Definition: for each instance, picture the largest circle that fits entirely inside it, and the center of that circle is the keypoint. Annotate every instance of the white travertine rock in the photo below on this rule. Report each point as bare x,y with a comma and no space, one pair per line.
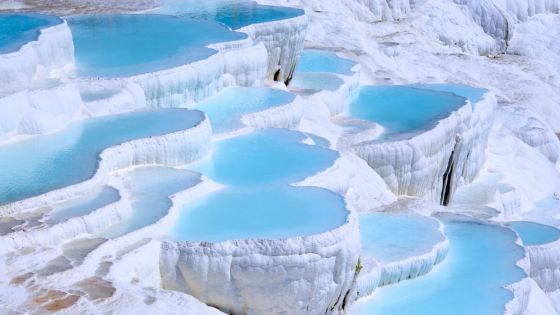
50,56
416,166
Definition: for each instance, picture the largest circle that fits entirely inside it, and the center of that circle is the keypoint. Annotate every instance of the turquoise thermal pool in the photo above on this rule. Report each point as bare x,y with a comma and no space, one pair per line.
402,110
234,14
226,109
131,44
150,189
264,157
17,30
312,60
481,261
393,237
260,213
534,233
47,162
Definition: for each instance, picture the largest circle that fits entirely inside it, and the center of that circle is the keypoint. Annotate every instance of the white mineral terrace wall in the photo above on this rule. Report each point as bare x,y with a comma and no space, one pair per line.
284,41
416,166
545,265
51,55
299,275
375,274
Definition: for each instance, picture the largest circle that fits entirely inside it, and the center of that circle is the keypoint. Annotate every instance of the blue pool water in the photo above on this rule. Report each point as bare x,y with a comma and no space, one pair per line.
150,189
262,213
534,233
481,260
315,81
264,157
226,109
396,236
402,109
131,44
312,60
43,163
83,205
235,14
474,94
17,30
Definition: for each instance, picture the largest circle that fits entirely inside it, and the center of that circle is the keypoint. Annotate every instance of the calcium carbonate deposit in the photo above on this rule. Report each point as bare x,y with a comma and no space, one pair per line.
284,157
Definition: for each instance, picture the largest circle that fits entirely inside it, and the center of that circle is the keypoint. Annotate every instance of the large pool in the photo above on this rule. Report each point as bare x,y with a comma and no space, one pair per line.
226,109
402,109
150,189
534,233
265,157
47,162
261,213
130,44
17,30
235,14
471,280
391,237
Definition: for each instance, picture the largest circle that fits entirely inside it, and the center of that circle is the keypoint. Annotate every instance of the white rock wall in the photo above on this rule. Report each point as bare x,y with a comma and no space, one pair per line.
415,166
51,55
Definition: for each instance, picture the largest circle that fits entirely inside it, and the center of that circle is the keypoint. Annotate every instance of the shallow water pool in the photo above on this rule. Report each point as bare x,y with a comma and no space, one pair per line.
313,60
47,162
261,213
534,233
91,201
471,280
234,14
121,45
264,158
226,109
402,109
392,237
17,30
474,94
150,188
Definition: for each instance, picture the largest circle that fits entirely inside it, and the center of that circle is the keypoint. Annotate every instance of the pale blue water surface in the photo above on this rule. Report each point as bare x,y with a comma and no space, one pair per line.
534,233
313,60
233,13
396,236
226,109
47,162
471,280
19,29
121,45
264,157
402,109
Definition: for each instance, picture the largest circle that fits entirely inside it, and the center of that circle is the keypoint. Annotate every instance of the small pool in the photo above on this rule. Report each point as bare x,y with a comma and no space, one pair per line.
150,188
123,45
474,94
534,233
313,60
471,280
17,30
402,109
47,162
315,81
261,213
265,157
91,201
226,109
390,237
235,14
